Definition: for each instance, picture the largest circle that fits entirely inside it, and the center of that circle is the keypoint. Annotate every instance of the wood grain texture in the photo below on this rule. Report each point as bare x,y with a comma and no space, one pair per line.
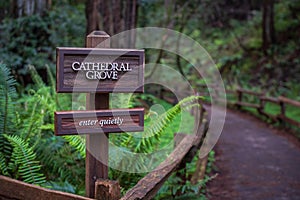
69,80
96,160
249,92
87,122
247,104
107,189
289,101
147,187
17,190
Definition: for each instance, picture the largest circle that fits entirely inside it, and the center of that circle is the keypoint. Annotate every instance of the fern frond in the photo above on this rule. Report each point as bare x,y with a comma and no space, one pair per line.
60,186
51,80
78,142
40,108
7,94
3,165
157,127
23,159
35,76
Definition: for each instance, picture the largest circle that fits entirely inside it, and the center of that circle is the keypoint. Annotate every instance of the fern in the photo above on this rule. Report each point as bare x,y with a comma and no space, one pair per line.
7,111
36,77
51,80
158,126
61,186
3,165
7,95
23,159
40,105
78,142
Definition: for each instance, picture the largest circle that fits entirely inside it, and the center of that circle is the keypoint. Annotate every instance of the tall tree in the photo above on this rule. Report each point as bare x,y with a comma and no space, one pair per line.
268,33
112,17
21,8
92,15
118,16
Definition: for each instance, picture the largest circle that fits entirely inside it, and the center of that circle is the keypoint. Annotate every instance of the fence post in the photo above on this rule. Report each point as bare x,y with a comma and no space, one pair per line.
107,190
282,108
282,111
240,98
261,105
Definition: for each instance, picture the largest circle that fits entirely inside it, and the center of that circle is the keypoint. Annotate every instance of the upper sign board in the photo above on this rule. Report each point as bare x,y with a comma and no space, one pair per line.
99,70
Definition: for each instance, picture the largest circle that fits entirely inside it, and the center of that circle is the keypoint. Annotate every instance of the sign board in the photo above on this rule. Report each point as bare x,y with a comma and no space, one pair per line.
99,121
99,70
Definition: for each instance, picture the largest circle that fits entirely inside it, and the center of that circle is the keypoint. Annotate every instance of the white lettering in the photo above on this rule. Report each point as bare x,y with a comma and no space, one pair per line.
101,71
88,122
127,67
111,121
73,66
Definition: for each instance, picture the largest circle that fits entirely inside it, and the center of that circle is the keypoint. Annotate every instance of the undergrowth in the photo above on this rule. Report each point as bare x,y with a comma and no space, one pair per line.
179,186
30,152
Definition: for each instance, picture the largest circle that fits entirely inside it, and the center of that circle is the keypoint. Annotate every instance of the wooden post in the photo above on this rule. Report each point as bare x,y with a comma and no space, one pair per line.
282,108
107,190
71,63
240,98
262,104
96,161
282,112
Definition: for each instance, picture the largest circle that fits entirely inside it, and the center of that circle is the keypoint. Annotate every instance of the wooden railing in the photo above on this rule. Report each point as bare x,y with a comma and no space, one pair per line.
259,104
13,189
186,146
147,187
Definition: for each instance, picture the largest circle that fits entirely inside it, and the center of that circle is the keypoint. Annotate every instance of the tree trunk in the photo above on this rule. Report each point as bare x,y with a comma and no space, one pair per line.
268,25
4,10
92,15
117,16
21,8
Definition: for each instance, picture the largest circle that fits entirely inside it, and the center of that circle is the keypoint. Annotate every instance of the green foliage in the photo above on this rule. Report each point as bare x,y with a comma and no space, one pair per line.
177,188
60,186
29,148
3,166
7,97
78,142
32,40
23,162
157,127
61,159
17,159
233,41
8,94
159,132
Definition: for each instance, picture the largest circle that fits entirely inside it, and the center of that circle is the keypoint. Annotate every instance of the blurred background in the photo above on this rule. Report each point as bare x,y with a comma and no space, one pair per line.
254,44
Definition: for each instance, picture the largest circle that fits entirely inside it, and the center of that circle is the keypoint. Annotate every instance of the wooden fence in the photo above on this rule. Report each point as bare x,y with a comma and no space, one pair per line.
259,104
186,146
147,187
13,189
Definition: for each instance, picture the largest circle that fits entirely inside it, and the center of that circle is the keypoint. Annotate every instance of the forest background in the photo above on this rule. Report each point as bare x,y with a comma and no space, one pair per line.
255,45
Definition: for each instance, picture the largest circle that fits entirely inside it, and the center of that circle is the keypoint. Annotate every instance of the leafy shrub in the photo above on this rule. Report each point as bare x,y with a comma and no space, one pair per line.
32,40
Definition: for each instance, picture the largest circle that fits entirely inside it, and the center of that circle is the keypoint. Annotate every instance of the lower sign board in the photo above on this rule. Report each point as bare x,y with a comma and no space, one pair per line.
99,121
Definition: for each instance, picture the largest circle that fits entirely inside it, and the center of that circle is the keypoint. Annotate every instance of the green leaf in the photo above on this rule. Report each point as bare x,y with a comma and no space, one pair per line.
23,160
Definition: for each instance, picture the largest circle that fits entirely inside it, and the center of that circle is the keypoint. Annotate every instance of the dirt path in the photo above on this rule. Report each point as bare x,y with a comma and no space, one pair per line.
255,161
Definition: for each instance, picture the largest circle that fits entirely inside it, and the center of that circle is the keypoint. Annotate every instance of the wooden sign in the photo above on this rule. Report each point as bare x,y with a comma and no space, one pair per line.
99,121
99,70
